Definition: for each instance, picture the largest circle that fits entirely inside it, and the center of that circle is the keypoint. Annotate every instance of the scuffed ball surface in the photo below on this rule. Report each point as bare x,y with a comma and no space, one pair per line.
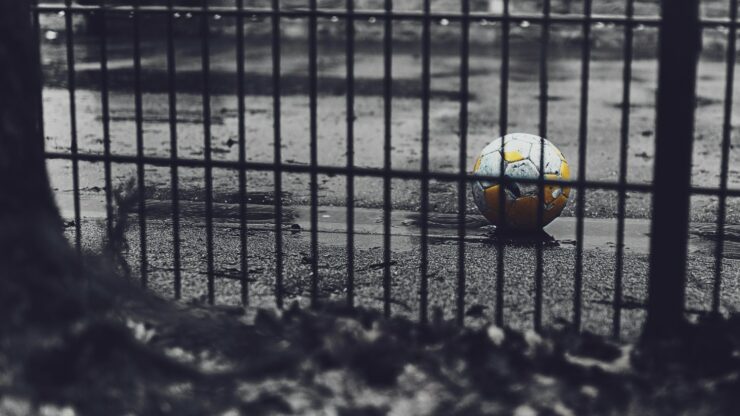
520,156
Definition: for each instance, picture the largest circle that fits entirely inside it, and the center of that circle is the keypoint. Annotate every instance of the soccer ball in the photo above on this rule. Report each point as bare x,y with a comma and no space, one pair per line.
521,159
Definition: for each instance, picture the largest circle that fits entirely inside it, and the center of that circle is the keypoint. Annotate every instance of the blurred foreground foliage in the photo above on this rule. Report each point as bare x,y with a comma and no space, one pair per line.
82,340
80,337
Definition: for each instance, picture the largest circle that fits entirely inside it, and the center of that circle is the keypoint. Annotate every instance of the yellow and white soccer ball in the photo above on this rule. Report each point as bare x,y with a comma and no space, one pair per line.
521,159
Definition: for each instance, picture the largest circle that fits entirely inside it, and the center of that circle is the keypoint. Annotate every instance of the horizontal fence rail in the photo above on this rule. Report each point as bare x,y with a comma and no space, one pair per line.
371,172
396,15
279,167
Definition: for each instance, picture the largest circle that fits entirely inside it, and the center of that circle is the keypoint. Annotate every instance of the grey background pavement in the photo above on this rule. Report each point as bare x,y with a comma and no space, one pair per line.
564,75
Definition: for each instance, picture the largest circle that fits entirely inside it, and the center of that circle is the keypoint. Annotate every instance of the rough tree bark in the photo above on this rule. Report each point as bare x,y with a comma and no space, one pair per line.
24,187
39,272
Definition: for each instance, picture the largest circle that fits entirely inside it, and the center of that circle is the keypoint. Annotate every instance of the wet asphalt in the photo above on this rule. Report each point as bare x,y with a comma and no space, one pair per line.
564,70
480,265
480,255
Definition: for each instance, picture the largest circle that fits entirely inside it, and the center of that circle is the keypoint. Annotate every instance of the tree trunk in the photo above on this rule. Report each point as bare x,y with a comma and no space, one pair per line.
24,186
40,280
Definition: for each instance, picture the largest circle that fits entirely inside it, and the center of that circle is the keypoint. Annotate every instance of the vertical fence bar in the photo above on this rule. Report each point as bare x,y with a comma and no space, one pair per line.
425,81
623,148
463,157
139,116
726,140
72,87
174,174
387,163
582,142
503,127
208,174
350,56
243,275
105,119
277,151
312,91
544,43
680,42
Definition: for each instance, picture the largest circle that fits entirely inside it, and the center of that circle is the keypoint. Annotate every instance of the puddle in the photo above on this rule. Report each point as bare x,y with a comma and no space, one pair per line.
534,238
256,214
599,233
709,231
445,221
704,238
474,222
253,197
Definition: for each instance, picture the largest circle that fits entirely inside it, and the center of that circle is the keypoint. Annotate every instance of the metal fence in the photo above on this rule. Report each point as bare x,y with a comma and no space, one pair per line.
387,16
